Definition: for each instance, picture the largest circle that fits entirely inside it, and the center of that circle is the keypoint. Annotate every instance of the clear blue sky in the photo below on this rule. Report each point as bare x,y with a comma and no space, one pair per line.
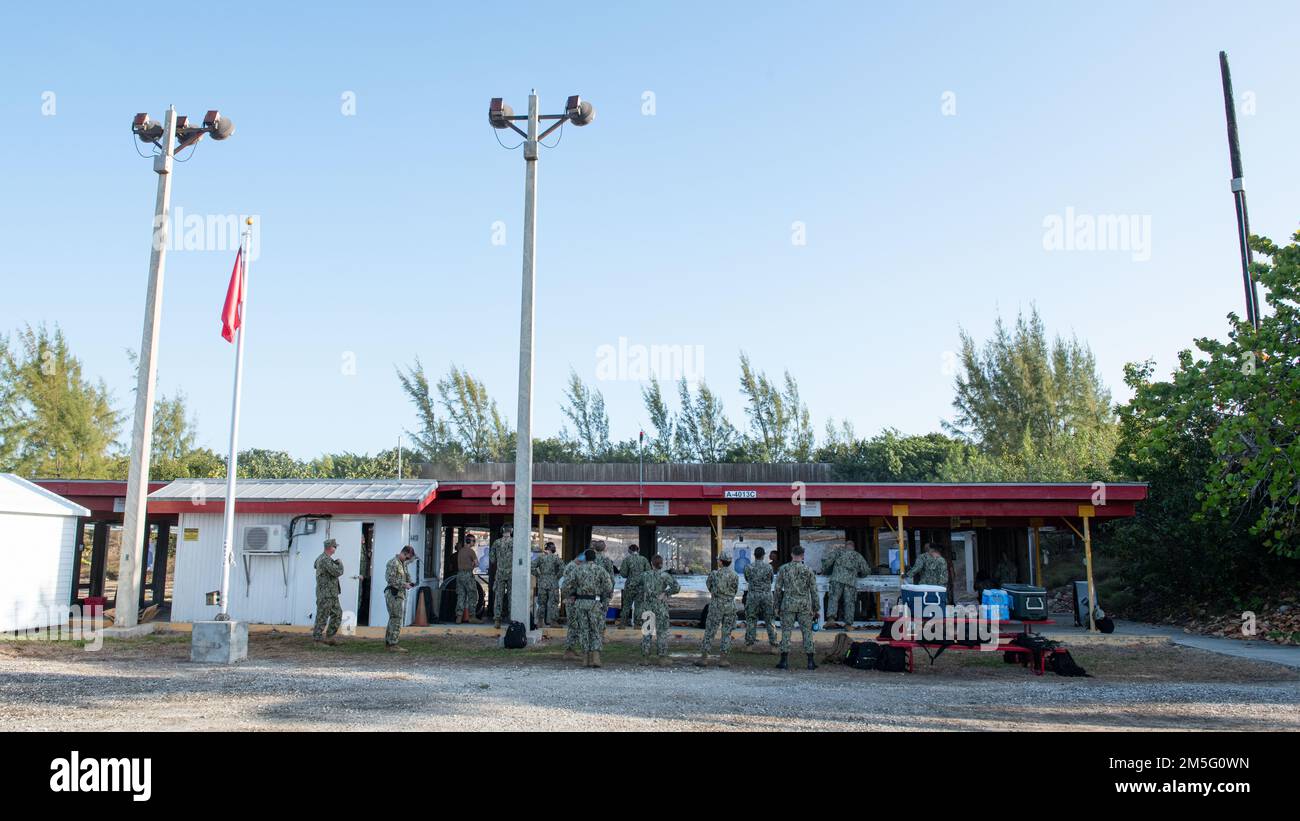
671,229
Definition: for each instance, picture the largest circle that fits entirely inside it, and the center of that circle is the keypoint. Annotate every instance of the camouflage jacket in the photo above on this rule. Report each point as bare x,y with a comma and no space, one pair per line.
503,551
328,570
633,566
930,570
590,579
395,575
849,567
658,585
606,564
759,578
828,559
548,569
796,588
723,583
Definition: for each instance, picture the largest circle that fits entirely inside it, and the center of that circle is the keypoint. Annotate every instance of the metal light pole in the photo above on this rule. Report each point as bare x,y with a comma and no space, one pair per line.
173,134
501,116
1239,193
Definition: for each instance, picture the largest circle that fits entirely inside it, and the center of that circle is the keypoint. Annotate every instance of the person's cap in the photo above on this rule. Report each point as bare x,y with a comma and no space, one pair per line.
724,557
331,543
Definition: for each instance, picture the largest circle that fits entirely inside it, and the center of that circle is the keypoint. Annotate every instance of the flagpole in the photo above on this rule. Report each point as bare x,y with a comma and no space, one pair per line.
232,460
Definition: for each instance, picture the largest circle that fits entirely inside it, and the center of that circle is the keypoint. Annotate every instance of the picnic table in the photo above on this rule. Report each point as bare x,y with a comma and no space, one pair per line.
934,647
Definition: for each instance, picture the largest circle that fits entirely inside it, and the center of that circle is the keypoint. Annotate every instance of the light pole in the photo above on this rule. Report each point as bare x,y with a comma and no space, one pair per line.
1239,193
170,136
501,116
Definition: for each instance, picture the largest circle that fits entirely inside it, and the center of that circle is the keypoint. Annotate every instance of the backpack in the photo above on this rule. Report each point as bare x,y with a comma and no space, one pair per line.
516,636
864,655
1064,665
840,650
892,659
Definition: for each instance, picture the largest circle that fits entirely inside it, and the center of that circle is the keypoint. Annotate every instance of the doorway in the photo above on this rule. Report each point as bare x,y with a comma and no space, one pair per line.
366,571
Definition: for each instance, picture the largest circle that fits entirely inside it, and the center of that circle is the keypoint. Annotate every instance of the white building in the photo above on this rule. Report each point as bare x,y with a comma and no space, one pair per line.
280,528
38,532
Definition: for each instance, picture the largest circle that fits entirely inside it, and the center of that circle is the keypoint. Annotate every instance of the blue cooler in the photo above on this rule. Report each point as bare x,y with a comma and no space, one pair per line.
996,604
920,597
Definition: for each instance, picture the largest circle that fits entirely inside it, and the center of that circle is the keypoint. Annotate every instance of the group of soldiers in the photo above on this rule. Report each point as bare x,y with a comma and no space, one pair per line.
789,594
329,613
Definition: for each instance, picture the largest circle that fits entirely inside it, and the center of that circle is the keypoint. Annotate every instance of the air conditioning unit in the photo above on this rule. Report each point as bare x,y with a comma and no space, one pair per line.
263,539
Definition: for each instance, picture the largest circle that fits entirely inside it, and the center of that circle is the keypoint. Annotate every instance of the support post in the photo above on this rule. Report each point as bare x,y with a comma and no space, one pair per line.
1092,591
134,525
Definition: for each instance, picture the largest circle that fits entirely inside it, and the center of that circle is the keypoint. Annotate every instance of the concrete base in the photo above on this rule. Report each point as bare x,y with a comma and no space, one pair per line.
129,632
219,642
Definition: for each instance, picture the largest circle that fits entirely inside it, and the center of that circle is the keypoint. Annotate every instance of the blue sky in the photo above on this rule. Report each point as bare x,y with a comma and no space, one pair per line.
671,228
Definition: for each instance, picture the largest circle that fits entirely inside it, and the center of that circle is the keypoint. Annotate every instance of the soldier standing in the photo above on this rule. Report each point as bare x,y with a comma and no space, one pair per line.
592,587
503,551
722,584
466,587
547,570
758,600
398,581
570,608
633,568
607,564
931,568
796,601
656,586
328,611
849,567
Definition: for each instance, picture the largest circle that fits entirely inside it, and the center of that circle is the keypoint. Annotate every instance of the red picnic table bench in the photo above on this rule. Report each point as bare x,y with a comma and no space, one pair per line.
1027,657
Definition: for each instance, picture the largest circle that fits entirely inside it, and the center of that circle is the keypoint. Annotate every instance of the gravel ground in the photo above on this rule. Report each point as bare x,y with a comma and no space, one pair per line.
292,685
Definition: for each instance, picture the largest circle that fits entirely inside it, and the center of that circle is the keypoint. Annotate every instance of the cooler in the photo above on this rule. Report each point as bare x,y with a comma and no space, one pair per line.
917,597
1028,603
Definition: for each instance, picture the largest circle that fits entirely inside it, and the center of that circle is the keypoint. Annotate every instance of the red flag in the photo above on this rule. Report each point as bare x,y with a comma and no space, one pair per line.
232,314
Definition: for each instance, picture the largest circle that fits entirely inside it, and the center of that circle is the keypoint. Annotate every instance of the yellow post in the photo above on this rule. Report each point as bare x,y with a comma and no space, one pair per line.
719,511
900,511
1085,511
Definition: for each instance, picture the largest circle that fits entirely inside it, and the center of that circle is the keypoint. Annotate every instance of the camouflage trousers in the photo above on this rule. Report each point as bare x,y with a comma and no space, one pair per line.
590,623
548,604
842,594
722,616
631,606
570,625
466,593
759,606
805,619
396,610
502,600
328,616
655,629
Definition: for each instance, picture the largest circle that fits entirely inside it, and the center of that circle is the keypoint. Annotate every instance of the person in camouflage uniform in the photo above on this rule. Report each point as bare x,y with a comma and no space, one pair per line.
570,617
722,584
397,582
607,564
929,569
828,558
328,611
849,567
466,587
592,588
656,586
633,567
796,601
503,553
547,570
758,600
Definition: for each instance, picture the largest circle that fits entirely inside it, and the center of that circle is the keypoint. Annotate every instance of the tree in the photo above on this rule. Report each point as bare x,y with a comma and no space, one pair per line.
889,456
53,421
703,433
662,445
780,426
474,429
433,438
585,409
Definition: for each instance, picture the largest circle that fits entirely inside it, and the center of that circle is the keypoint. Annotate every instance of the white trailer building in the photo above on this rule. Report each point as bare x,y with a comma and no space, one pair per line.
280,528
38,533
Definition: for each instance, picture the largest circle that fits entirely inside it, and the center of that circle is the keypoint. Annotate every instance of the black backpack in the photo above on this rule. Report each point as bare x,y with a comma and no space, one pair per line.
864,655
892,659
1064,665
516,636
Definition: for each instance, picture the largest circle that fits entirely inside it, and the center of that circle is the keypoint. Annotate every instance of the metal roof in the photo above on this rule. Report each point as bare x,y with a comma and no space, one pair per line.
303,490
17,495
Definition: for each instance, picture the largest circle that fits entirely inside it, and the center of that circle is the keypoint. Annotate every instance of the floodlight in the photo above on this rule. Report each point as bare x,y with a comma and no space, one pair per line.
147,130
219,127
579,111
499,113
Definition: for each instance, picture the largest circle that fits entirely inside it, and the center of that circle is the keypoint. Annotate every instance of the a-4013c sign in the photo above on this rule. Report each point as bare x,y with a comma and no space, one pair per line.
740,494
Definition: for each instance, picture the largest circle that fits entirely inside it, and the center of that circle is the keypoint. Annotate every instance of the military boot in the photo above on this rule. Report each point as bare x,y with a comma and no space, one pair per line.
663,661
586,660
812,665
703,660
496,623
595,659
784,663
722,662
